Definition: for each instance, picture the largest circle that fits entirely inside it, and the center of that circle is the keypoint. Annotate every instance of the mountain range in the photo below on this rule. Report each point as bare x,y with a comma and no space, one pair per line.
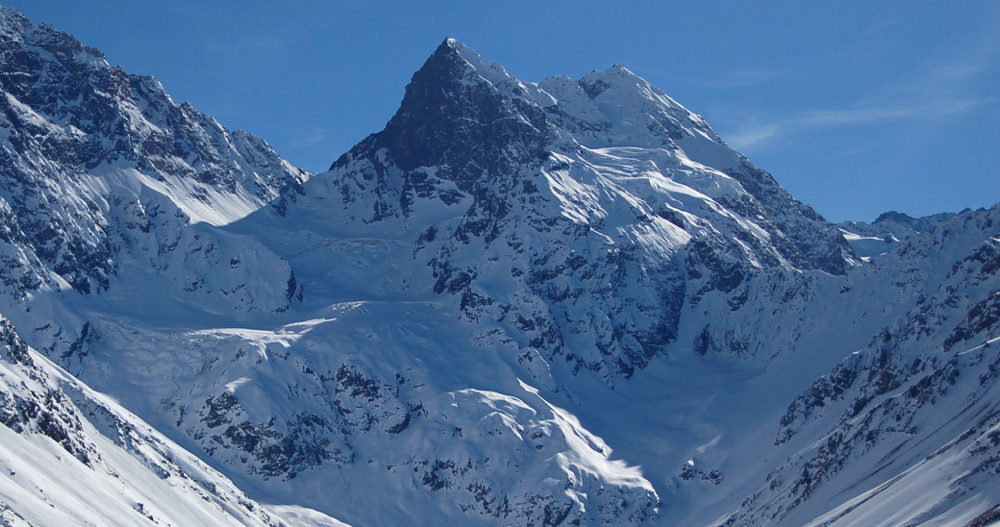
557,303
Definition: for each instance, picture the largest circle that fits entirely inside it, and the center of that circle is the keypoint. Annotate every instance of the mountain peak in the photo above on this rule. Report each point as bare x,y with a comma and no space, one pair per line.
620,69
622,80
453,45
454,105
9,15
467,64
451,61
620,106
19,35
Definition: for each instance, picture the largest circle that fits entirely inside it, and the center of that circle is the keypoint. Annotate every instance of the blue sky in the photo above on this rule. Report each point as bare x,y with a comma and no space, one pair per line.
855,107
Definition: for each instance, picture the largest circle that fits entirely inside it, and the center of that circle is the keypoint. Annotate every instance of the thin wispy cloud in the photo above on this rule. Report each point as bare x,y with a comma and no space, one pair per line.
944,88
760,133
754,135
308,137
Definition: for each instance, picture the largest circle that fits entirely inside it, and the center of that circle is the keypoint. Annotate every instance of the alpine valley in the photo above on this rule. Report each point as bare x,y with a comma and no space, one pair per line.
556,303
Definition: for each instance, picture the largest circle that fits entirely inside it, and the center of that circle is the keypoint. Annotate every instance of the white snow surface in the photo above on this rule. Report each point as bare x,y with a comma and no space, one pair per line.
109,467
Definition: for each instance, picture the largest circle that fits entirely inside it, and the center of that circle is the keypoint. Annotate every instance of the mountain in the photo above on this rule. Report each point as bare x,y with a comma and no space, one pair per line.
74,456
106,182
912,416
889,229
556,303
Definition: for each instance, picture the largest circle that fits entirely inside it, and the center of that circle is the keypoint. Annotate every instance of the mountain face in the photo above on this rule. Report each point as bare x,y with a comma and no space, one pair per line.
888,230
73,456
554,303
104,179
583,242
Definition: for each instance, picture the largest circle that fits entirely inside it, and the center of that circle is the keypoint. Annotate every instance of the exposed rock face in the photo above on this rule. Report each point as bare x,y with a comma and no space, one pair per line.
926,377
98,167
74,445
597,228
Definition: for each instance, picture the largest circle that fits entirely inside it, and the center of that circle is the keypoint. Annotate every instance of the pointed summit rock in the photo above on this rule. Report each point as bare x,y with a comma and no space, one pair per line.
457,115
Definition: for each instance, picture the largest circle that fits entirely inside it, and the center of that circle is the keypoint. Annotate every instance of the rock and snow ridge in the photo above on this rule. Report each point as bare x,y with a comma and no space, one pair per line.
106,178
555,303
71,456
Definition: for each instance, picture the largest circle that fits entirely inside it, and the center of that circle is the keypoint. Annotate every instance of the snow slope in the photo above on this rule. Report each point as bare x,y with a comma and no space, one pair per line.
71,456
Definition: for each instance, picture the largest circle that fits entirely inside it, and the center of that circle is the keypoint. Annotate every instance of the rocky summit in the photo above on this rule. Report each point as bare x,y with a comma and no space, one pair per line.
564,302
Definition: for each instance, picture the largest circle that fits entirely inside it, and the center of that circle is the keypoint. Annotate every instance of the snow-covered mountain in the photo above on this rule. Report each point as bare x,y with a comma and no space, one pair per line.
107,183
556,303
889,229
71,456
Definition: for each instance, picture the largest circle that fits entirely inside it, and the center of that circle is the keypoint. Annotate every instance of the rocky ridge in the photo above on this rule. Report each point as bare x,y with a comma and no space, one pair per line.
102,168
65,445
